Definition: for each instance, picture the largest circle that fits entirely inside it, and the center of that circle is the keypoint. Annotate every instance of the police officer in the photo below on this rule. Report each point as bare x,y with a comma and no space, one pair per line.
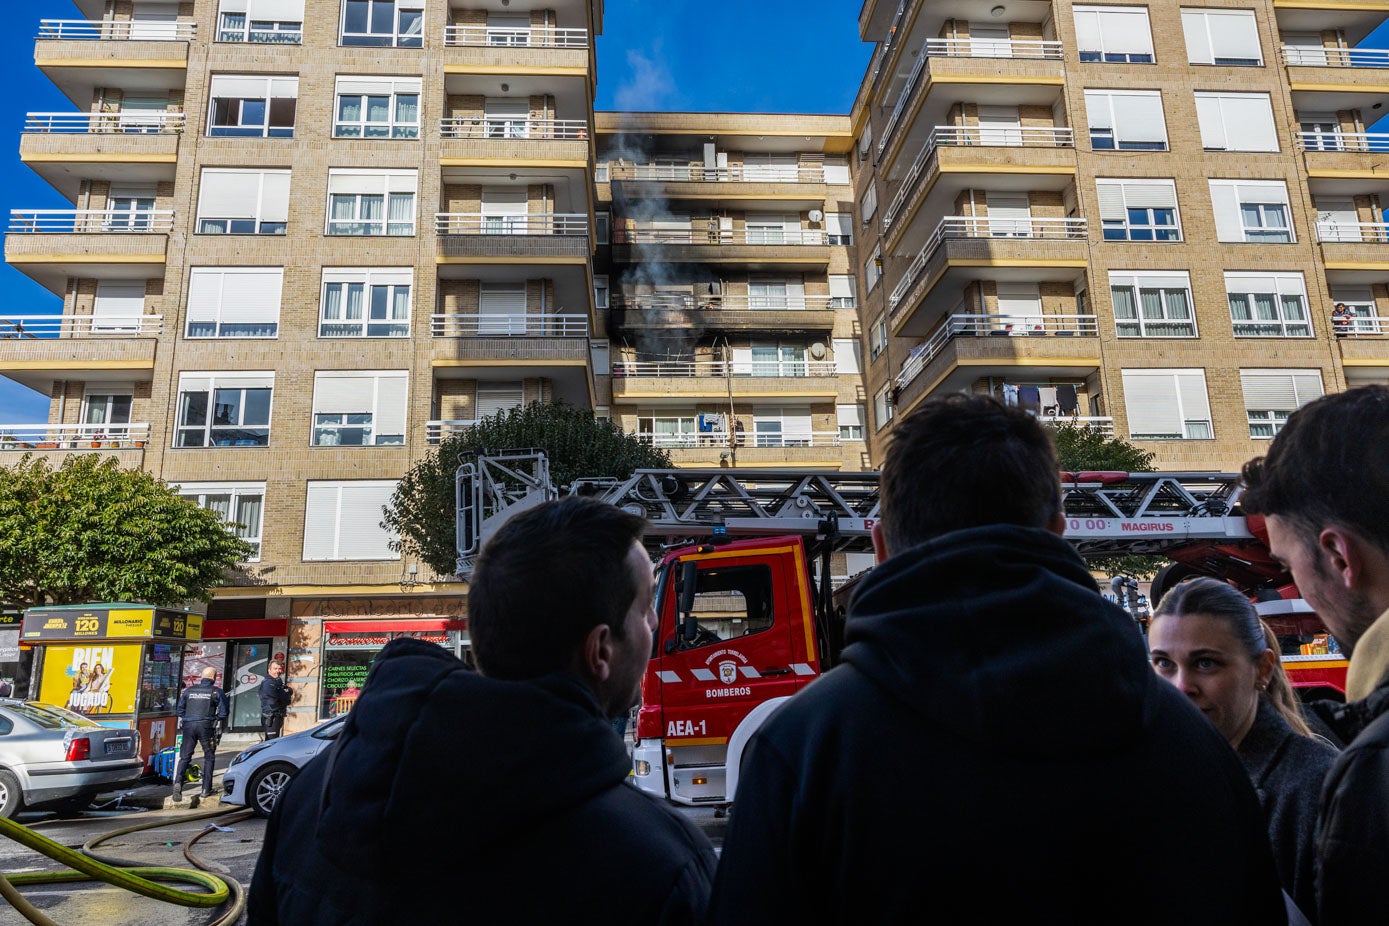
274,700
202,709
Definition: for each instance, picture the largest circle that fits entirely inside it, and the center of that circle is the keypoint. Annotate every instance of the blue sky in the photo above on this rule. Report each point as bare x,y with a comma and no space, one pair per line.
799,56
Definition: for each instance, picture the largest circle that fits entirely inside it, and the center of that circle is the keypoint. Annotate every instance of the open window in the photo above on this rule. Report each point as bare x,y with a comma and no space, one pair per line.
729,602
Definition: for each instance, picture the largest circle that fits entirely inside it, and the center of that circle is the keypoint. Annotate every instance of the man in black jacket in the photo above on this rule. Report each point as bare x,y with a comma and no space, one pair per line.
994,747
274,700
498,798
201,711
1324,487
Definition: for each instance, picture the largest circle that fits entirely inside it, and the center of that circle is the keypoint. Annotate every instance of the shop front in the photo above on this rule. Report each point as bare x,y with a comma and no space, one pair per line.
13,682
350,646
240,651
120,664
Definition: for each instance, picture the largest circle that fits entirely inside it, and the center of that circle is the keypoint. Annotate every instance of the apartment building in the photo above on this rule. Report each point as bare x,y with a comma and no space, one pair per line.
307,239
1136,217
728,280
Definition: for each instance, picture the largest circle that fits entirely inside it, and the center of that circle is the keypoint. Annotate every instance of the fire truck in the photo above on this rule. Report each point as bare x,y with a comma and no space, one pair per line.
748,608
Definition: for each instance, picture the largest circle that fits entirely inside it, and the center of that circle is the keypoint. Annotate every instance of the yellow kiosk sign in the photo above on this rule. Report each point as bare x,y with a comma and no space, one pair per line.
98,622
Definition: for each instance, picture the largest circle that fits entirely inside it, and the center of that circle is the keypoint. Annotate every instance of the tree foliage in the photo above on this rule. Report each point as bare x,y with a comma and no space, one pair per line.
1083,449
422,510
90,531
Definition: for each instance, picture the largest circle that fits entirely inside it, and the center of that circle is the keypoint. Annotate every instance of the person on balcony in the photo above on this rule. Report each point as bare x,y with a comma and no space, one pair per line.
1341,319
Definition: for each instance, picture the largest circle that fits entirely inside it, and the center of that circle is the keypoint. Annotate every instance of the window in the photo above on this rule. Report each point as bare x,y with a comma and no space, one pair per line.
238,504
877,337
1270,396
501,308
383,22
377,107
868,204
234,302
781,427
1138,210
839,228
770,360
105,413
1361,301
359,409
848,356
1167,405
509,29
850,421
118,306
130,207
1228,37
1236,122
506,117
843,292
873,268
773,228
882,407
371,202
837,173
365,303
505,211
1268,305
274,22
494,398
600,291
729,602
1251,210
243,202
1113,33
342,521
224,409
601,222
668,427
1126,120
252,107
1152,304
776,293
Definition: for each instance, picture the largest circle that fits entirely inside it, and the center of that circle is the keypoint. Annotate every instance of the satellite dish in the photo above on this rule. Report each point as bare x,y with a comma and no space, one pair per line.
817,350
816,215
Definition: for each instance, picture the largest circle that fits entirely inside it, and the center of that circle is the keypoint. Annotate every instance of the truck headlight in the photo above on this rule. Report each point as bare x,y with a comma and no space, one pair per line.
642,767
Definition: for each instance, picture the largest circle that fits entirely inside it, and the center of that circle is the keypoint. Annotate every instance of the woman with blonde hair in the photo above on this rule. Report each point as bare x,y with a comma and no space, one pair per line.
1206,639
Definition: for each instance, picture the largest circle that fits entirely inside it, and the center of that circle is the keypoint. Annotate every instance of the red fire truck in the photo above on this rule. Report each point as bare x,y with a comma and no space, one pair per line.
746,599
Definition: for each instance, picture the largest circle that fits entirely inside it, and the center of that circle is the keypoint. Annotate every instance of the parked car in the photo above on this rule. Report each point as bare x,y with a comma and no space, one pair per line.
258,775
53,757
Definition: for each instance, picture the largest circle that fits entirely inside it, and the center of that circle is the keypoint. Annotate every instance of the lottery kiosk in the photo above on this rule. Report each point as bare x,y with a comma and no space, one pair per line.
119,664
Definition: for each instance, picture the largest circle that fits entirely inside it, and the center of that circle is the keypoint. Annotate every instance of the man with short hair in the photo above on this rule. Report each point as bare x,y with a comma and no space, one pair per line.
994,747
1324,488
451,796
275,696
201,711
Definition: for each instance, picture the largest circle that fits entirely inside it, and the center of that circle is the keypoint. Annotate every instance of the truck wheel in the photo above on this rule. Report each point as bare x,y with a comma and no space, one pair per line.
11,798
266,786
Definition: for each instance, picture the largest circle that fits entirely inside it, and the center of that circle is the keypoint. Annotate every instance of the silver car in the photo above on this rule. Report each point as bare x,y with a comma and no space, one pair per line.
259,774
53,757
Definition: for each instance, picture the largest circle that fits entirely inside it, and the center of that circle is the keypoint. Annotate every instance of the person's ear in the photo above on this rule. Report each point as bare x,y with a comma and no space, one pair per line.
1342,553
596,653
1057,525
1266,664
880,542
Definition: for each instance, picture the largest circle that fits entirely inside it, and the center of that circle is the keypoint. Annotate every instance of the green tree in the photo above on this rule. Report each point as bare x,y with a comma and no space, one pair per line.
1082,449
422,510
91,531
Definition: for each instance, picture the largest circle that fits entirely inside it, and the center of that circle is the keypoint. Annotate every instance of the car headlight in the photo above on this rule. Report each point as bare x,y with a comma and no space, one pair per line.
245,754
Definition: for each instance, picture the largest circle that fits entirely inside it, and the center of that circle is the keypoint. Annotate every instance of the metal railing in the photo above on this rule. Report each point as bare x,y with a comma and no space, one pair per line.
961,325
119,30
87,221
1353,232
683,302
1361,326
736,173
965,226
968,136
72,436
743,440
77,326
249,34
1377,142
689,369
435,431
772,236
500,37
133,122
1327,57
534,223
513,129
520,325
1100,423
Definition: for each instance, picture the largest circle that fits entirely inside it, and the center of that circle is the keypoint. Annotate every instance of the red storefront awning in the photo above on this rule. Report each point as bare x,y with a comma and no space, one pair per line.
393,626
255,627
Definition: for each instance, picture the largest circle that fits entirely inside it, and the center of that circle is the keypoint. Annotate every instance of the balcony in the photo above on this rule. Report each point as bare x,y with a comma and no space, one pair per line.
659,381
538,237
35,350
754,185
466,139
497,50
754,247
968,149
436,431
80,55
52,245
1345,245
1026,249
509,326
1325,79
1362,348
967,347
711,448
128,439
790,314
134,146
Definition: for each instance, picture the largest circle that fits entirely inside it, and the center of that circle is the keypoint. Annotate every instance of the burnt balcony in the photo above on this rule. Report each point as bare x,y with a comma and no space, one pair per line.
764,246
543,236
662,380
733,313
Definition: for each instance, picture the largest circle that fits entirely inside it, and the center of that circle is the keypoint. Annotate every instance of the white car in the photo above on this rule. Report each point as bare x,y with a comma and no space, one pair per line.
259,774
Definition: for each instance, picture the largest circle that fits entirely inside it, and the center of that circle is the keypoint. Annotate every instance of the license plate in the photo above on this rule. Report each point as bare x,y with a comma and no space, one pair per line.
111,746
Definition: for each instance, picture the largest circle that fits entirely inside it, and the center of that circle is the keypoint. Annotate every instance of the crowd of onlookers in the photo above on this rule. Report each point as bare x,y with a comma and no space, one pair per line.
997,744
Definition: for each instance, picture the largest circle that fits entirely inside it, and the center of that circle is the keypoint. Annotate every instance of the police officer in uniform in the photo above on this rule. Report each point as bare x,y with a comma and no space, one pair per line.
202,709
274,700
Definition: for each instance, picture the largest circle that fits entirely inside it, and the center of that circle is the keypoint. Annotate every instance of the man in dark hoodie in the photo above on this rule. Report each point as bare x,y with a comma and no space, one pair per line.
994,747
498,798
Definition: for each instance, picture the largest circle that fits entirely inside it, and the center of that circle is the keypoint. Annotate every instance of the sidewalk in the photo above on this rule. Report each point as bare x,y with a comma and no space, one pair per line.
151,792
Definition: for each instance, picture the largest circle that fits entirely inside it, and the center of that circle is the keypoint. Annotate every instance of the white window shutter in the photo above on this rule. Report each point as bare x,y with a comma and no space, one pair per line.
120,297
233,6
343,393
224,194
1279,390
1111,196
1225,202
846,356
392,402
1125,31
231,86
1198,40
1234,34
502,299
1269,192
497,397
837,174
321,521
849,414
841,286
1088,29
1191,386
1150,398
1139,117
289,11
1211,121
504,201
1099,113
360,534
274,197
1016,299
249,295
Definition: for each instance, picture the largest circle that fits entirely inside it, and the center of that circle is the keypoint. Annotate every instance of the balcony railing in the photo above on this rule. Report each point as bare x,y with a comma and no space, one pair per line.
134,122
109,30
772,236
691,369
1361,326
981,137
737,173
498,37
88,221
513,129
1377,142
1101,423
72,436
80,326
509,326
435,431
1311,56
1002,326
1353,232
683,302
965,226
534,223
741,439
